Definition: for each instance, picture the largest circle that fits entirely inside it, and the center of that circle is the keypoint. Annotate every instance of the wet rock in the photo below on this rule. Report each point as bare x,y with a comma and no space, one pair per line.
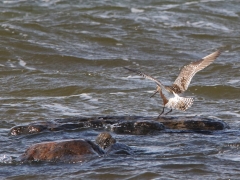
94,124
193,123
109,144
38,127
105,140
67,126
74,150
32,128
64,150
137,125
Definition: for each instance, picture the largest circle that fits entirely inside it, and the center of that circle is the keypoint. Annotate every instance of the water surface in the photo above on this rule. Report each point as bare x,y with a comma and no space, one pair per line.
64,58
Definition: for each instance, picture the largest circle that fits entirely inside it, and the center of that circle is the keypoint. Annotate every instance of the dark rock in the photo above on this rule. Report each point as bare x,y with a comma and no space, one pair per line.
137,127
105,140
64,150
109,144
74,150
29,129
193,123
124,124
94,124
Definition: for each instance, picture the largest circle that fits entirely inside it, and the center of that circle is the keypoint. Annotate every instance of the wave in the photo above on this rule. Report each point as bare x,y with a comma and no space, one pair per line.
216,92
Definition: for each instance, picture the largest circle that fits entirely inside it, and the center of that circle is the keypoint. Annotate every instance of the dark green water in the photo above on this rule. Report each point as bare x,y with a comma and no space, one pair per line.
64,58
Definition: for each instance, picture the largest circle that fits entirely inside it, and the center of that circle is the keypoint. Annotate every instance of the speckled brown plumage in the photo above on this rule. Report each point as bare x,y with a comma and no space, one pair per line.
169,94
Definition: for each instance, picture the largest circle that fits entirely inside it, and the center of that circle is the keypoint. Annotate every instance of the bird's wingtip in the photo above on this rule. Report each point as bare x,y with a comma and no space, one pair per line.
220,49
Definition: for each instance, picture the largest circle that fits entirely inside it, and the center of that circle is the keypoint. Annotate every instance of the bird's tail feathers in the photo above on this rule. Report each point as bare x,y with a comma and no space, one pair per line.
184,103
180,103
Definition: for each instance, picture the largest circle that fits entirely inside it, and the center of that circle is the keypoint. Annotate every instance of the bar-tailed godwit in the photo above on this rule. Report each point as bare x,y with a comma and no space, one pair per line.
169,94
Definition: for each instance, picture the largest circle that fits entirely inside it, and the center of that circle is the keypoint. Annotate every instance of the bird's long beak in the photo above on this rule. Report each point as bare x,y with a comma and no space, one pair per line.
154,93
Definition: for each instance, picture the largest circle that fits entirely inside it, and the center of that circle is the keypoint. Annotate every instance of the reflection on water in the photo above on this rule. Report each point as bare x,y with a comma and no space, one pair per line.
64,58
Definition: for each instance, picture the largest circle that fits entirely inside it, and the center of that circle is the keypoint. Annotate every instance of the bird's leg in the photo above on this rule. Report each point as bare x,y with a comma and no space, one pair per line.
161,112
154,93
168,112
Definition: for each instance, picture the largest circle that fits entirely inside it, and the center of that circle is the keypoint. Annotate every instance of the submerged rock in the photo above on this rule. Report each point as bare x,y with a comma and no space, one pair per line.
28,129
109,144
73,150
104,140
137,125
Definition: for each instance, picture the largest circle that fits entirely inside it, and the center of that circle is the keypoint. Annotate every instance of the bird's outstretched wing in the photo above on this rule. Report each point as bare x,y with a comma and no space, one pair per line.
184,78
160,87
145,76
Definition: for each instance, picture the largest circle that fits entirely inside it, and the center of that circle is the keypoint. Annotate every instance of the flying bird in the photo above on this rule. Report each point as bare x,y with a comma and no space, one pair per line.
170,94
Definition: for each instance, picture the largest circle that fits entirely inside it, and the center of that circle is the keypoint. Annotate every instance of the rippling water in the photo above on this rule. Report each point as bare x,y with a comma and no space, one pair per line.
64,58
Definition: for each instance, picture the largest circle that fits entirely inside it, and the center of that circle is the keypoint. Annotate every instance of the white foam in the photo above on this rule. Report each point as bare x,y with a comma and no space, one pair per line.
5,159
232,157
135,10
23,35
155,149
236,114
23,64
63,109
134,77
85,96
188,3
13,1
165,7
150,92
202,24
234,81
125,59
202,1
11,64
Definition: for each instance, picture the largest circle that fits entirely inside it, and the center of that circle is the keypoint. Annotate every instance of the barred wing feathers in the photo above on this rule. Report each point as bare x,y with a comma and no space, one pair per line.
184,78
145,76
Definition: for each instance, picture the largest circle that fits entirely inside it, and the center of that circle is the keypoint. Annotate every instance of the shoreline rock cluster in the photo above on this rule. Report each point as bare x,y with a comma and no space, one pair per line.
136,125
75,150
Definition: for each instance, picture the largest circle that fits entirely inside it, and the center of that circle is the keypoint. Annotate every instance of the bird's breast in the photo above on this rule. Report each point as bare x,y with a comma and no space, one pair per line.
165,100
